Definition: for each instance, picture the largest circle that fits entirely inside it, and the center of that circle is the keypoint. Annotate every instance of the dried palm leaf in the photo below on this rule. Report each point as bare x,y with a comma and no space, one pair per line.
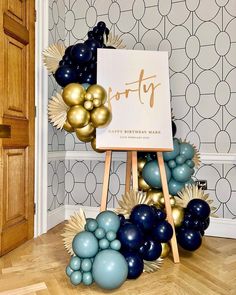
190,192
52,56
57,111
131,199
152,266
114,41
75,225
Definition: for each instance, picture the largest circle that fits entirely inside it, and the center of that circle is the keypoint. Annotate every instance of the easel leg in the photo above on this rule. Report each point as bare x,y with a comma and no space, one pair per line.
173,241
106,181
135,170
128,172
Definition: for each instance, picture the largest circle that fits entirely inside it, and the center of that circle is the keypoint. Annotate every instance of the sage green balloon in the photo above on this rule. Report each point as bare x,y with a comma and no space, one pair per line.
110,269
87,278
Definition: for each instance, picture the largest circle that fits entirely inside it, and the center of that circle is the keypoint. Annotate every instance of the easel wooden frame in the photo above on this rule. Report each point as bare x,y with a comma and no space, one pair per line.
131,166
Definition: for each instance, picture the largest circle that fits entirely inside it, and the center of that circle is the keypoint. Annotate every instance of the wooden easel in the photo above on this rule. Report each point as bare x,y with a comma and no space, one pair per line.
131,166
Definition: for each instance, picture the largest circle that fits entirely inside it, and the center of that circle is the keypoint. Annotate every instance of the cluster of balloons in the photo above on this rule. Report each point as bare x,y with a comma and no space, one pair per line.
87,110
142,235
97,257
179,166
79,63
196,220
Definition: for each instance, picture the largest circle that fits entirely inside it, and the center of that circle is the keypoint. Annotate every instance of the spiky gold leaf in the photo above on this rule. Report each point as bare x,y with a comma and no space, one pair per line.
75,225
152,266
52,56
114,41
57,111
192,191
131,199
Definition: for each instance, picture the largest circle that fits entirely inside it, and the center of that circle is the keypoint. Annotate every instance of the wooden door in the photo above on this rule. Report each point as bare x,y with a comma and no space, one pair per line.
17,20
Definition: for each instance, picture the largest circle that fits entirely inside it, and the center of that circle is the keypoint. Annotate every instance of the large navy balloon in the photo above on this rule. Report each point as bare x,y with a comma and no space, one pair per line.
159,214
65,75
199,209
143,216
162,232
189,239
151,174
135,264
80,53
130,236
150,250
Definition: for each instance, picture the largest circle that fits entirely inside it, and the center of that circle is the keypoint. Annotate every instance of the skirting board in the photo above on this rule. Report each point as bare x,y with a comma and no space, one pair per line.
219,227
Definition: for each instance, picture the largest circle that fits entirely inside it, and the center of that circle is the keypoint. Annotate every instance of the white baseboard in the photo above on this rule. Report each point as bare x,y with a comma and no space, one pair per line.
55,217
219,227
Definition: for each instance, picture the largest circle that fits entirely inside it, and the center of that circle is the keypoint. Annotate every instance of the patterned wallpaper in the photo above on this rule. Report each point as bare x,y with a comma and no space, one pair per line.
200,39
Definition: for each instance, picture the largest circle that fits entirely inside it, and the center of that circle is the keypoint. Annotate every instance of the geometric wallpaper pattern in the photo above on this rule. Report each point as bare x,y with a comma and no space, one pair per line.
201,41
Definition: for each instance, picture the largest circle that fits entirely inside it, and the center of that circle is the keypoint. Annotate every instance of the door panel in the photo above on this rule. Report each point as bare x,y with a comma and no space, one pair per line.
17,111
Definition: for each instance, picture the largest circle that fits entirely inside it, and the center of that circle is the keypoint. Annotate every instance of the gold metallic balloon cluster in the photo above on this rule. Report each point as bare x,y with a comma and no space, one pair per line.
87,111
155,197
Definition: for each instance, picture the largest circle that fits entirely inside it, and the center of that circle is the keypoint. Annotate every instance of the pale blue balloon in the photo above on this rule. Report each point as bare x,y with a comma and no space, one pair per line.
75,263
108,220
69,271
151,174
110,269
91,225
190,181
85,245
172,155
100,233
86,264
111,235
182,173
187,150
115,245
180,159
87,278
190,163
76,278
172,164
174,186
104,244
86,85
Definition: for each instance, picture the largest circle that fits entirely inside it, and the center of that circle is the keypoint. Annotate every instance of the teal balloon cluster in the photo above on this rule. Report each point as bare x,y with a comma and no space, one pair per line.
179,166
96,256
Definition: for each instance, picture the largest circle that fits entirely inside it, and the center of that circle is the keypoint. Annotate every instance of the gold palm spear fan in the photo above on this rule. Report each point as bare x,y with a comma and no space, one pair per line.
52,56
57,111
74,225
190,192
114,41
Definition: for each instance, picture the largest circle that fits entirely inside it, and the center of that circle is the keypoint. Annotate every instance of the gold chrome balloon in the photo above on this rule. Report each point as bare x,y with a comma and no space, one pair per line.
142,185
85,131
141,163
178,215
162,201
100,117
86,138
172,201
98,92
88,105
68,127
165,250
154,196
97,102
93,145
78,116
88,96
73,94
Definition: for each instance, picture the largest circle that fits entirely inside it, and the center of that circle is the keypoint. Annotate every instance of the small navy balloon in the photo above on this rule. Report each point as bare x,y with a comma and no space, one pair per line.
135,264
150,250
162,232
189,239
130,236
199,209
143,215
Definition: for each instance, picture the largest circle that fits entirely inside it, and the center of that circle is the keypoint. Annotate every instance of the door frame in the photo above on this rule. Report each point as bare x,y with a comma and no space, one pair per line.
41,119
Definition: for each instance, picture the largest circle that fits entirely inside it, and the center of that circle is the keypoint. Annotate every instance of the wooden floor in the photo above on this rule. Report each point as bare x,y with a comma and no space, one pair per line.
38,267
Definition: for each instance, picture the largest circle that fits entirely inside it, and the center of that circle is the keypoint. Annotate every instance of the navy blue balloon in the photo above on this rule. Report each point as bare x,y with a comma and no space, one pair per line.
189,239
198,225
159,214
135,264
199,209
65,75
206,223
81,53
68,50
162,232
188,223
93,45
150,250
88,77
122,218
174,129
130,236
143,216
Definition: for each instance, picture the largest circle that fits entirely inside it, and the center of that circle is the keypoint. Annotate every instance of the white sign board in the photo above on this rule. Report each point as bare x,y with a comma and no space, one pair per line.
137,85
